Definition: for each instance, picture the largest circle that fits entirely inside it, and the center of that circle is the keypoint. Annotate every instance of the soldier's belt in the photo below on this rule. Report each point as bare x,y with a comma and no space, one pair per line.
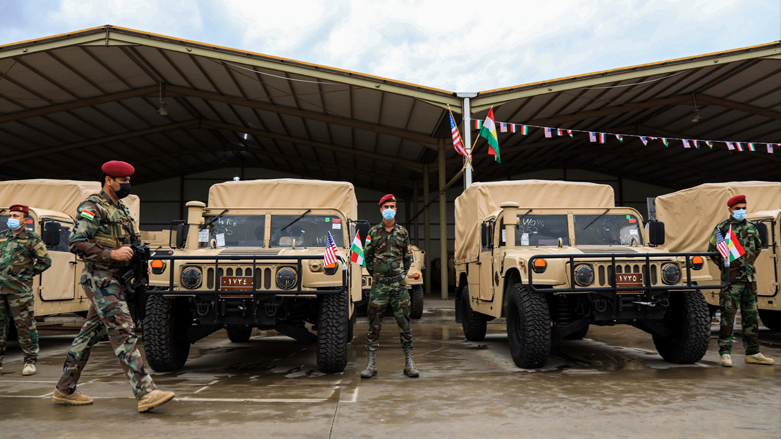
389,279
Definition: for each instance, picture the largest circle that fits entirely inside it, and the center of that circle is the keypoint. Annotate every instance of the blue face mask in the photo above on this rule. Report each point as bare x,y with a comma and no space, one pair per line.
13,224
739,215
389,214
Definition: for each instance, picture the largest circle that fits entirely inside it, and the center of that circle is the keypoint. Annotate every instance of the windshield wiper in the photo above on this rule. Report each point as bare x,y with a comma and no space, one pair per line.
296,220
211,221
518,226
595,219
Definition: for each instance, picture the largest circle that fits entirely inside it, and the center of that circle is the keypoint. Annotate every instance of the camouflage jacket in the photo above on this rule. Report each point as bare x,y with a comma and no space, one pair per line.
742,269
99,229
22,256
388,254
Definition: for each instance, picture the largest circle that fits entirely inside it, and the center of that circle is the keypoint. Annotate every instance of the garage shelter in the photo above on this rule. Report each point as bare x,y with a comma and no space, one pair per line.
189,115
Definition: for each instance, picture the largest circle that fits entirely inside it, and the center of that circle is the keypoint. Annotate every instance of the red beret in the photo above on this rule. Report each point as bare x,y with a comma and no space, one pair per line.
117,169
389,197
736,199
19,208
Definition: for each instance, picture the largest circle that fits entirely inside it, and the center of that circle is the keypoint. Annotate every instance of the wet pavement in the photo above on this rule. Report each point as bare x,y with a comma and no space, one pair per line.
612,383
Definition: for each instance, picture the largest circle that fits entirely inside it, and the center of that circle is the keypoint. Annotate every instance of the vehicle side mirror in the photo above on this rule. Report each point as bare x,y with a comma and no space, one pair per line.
181,235
51,234
363,230
655,233
763,234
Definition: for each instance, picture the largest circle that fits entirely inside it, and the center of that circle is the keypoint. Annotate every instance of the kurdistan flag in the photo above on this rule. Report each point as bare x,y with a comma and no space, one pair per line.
489,132
735,249
357,251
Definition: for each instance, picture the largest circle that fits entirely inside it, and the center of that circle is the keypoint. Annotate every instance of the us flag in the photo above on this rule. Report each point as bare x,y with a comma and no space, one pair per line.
331,252
722,245
458,145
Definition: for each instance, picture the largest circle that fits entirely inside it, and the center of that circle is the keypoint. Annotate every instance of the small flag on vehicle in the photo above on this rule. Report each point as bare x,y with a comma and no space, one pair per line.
735,249
723,246
331,252
357,251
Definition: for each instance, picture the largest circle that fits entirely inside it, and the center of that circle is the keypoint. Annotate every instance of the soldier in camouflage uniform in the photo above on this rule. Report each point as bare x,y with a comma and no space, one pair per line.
742,290
22,256
102,229
388,256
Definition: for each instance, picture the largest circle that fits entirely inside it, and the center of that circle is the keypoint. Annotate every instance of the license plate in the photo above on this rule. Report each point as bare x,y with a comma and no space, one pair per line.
629,280
236,283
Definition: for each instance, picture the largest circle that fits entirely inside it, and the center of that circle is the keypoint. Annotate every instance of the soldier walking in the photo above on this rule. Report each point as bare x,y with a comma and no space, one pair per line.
22,256
102,229
388,256
742,290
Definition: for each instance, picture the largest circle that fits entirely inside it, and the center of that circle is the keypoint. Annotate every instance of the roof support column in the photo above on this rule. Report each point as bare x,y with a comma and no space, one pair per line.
426,231
415,195
443,259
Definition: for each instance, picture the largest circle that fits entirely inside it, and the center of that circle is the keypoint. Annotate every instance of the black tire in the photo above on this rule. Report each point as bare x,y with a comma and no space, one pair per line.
351,328
528,328
165,326
473,323
332,331
771,319
239,333
416,302
579,334
689,319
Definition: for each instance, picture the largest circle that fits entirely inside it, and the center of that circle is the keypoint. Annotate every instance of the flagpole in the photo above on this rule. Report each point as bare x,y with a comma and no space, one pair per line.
467,119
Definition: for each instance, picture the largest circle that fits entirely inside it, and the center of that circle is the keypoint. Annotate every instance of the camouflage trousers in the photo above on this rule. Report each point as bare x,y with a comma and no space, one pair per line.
395,295
743,294
107,313
19,308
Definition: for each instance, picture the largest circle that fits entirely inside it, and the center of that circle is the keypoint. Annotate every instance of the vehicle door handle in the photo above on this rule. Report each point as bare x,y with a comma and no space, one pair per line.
72,262
478,263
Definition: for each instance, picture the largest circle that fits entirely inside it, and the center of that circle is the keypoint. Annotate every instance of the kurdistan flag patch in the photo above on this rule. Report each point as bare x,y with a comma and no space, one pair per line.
87,214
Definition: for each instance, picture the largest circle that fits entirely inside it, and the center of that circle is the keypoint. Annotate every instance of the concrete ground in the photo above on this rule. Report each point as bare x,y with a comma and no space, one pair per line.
611,384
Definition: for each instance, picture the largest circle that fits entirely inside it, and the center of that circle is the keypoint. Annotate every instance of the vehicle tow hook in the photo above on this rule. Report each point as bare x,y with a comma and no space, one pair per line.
650,304
202,308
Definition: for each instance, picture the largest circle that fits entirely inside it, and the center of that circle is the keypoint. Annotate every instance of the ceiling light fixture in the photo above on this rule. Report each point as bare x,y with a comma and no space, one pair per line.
696,117
161,105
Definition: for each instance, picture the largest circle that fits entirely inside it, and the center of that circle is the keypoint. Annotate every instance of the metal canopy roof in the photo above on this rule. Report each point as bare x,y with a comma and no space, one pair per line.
738,93
70,102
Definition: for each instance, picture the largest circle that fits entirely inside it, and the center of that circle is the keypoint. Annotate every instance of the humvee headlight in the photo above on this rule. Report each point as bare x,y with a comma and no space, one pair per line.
191,278
671,274
697,262
539,266
584,275
286,278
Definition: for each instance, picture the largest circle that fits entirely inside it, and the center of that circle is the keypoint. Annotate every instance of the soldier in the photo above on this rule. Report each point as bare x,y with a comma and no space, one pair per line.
743,285
102,227
388,256
22,256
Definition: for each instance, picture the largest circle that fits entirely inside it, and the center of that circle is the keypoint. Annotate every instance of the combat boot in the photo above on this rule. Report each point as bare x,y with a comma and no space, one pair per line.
371,365
759,359
29,369
75,398
409,368
726,360
153,399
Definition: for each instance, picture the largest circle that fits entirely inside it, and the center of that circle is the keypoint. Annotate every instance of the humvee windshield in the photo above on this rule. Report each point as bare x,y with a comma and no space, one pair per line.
534,230
238,231
309,231
607,230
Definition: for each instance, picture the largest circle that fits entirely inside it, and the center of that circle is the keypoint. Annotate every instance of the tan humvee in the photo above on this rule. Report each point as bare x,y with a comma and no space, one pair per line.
53,205
555,257
692,214
253,258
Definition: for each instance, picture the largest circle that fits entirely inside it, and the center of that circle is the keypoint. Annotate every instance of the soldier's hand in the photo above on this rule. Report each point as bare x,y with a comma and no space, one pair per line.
124,254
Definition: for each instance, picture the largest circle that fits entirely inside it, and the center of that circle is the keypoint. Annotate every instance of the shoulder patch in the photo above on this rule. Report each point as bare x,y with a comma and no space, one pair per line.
88,215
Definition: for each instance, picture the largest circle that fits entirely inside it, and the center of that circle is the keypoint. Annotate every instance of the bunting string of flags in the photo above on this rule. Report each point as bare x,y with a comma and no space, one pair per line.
487,130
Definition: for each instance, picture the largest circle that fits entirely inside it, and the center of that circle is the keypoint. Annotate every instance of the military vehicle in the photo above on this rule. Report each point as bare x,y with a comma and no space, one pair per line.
253,258
555,257
692,215
53,205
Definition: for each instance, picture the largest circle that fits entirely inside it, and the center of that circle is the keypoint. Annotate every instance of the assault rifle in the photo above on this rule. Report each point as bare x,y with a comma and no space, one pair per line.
136,278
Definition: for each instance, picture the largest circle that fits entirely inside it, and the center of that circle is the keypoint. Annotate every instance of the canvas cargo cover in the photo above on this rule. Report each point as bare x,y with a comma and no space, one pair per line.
58,195
690,215
286,193
482,199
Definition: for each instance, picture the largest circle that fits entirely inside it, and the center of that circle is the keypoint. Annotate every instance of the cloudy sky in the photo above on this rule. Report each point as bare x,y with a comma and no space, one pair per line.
455,45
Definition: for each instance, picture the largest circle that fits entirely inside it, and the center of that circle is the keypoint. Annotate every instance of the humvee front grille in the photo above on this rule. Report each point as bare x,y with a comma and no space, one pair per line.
261,276
605,273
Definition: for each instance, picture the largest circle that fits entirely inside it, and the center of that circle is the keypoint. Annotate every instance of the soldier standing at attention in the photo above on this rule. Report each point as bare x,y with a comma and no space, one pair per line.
388,256
22,256
102,227
742,289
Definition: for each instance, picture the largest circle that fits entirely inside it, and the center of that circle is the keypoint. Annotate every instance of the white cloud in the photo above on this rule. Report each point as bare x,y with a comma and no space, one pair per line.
456,45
